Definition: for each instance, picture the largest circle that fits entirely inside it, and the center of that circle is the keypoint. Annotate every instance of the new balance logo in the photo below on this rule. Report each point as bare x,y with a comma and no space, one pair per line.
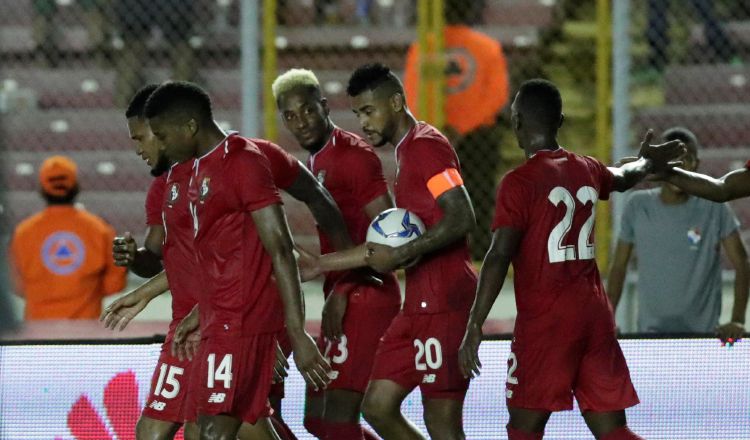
158,406
428,378
508,394
333,374
217,398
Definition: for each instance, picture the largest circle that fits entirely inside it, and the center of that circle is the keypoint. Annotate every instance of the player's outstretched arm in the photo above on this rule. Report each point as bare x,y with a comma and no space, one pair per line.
735,249
308,190
144,262
277,241
654,159
505,242
127,307
458,219
732,186
617,272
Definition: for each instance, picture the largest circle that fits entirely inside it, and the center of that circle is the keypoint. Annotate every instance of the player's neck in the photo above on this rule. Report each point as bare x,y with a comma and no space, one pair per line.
540,143
669,196
326,139
405,123
209,138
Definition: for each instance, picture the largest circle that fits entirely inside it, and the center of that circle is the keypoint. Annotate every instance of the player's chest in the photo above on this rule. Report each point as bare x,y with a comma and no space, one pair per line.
176,203
210,192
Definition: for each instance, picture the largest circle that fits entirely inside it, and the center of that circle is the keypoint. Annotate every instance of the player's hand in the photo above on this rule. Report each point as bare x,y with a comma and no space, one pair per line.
730,332
281,366
309,269
124,249
468,353
123,310
332,323
187,336
663,156
310,363
382,258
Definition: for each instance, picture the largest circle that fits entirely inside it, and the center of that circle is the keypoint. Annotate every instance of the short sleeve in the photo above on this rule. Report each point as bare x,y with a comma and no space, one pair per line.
729,221
511,204
365,175
627,222
252,179
434,158
285,168
604,176
154,201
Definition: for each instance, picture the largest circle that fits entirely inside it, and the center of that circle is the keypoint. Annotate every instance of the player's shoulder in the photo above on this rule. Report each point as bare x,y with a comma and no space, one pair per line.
426,133
238,146
349,144
159,182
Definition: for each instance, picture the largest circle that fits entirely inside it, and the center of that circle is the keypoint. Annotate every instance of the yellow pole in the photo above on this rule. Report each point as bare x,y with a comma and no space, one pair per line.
423,18
438,83
603,120
269,69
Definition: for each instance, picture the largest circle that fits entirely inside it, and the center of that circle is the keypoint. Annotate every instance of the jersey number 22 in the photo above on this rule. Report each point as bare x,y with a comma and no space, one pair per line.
558,252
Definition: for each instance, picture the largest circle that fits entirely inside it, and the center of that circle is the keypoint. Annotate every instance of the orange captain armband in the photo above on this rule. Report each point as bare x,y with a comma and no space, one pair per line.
442,182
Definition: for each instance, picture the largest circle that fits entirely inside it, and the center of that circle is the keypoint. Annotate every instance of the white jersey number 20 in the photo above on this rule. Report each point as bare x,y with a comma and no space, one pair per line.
555,248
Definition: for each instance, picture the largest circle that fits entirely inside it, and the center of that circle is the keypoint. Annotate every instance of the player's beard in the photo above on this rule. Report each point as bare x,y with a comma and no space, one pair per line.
161,167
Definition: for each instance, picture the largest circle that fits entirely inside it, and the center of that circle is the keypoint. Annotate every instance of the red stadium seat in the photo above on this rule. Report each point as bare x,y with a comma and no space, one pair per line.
707,84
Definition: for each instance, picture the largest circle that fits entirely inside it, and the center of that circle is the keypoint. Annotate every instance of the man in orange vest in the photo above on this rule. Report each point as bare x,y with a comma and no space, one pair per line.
477,89
61,256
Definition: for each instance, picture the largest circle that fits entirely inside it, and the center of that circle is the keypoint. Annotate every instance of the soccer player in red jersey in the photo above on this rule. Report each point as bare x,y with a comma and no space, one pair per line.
243,249
564,341
356,312
420,348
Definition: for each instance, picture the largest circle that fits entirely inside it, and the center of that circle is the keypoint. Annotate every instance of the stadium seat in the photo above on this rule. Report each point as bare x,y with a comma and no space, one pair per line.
707,84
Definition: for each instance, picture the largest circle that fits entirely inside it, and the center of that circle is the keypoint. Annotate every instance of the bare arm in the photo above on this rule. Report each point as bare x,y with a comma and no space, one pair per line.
737,254
630,174
127,307
732,186
277,241
617,272
653,159
144,262
505,242
307,189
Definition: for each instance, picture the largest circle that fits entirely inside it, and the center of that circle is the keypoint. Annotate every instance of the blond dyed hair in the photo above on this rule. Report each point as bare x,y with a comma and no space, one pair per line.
292,79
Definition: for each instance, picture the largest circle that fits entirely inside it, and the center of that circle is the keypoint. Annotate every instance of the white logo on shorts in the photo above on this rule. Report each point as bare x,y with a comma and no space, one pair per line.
429,378
158,406
508,394
217,398
333,375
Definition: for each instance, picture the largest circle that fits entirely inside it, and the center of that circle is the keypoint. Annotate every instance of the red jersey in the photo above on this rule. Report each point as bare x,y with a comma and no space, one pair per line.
154,198
353,175
551,198
284,167
239,294
444,280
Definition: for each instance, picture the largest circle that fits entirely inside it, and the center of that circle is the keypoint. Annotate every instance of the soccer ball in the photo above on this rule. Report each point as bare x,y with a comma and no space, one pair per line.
395,227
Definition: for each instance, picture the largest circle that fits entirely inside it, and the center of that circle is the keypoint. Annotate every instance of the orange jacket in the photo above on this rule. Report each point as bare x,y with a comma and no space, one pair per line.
62,259
476,79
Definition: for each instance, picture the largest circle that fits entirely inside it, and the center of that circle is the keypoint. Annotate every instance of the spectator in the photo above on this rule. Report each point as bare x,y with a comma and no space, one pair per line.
62,256
135,20
47,28
477,90
668,225
658,36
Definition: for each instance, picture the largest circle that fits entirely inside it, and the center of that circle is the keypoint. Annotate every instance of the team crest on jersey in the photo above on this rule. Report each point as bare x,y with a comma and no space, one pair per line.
205,189
174,193
321,176
694,237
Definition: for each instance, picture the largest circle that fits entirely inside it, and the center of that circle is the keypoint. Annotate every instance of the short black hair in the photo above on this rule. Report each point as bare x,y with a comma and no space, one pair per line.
682,134
179,96
138,101
370,77
542,101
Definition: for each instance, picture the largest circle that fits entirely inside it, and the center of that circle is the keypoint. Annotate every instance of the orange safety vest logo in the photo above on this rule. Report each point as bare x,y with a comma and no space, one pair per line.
63,252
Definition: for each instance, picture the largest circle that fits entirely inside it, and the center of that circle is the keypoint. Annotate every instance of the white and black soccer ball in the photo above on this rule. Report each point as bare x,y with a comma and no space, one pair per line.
395,227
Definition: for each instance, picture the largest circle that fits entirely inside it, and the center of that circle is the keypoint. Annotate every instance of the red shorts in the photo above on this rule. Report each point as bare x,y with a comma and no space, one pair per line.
422,350
233,375
167,399
554,358
353,355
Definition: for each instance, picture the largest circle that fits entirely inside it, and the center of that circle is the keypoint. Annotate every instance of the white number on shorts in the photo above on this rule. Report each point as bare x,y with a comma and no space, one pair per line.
223,373
556,250
170,372
512,369
432,353
341,347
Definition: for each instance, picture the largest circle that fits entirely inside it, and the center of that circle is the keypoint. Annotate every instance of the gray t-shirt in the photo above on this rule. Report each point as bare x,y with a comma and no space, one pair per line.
679,269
